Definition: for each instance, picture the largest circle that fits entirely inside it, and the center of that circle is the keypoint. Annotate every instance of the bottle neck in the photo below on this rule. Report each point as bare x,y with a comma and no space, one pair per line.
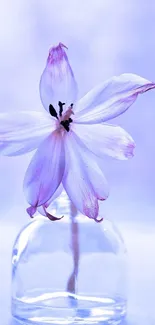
62,206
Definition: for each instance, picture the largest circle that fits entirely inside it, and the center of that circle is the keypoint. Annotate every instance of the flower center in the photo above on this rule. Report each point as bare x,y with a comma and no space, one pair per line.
65,118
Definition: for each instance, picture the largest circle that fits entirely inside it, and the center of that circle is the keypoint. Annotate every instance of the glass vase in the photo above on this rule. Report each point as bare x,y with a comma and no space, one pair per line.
69,271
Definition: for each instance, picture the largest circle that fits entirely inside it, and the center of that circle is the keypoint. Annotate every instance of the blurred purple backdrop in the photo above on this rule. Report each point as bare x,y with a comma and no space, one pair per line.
105,38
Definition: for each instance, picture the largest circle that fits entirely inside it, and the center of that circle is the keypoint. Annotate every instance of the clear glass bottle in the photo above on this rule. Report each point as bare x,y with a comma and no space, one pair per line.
69,271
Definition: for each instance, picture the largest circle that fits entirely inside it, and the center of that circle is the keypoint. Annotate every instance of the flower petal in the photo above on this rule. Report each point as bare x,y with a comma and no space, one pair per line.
45,171
111,98
54,196
57,81
42,209
21,132
106,139
89,183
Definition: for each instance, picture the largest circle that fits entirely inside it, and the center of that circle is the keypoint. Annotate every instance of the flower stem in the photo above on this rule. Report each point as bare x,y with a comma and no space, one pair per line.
72,282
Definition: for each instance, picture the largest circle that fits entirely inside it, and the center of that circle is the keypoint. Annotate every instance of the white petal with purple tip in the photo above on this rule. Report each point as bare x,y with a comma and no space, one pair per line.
105,139
89,184
57,82
45,171
111,98
21,132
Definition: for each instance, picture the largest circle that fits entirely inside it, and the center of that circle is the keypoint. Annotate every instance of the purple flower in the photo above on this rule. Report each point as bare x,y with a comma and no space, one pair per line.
71,135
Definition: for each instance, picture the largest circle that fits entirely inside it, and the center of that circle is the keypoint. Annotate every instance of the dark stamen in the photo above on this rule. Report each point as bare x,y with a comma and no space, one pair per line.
65,124
60,107
53,111
72,105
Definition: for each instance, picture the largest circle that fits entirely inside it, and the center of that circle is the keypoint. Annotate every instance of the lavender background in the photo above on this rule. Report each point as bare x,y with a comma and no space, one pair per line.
105,38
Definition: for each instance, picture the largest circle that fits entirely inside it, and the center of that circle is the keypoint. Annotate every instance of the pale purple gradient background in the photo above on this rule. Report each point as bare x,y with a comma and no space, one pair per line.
105,38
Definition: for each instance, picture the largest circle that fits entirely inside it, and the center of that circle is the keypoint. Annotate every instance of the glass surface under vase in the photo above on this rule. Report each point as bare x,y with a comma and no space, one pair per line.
69,271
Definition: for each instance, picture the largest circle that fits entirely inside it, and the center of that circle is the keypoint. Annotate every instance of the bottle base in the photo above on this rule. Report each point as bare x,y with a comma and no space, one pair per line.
66,308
